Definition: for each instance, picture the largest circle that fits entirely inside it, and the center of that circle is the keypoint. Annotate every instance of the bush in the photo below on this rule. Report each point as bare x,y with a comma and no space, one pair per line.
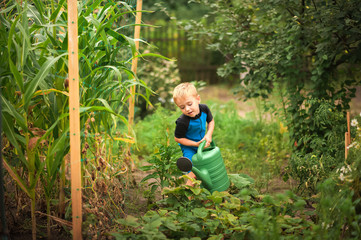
161,76
320,141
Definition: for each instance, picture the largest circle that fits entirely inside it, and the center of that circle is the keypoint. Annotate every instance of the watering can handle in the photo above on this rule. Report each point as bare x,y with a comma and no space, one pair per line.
201,147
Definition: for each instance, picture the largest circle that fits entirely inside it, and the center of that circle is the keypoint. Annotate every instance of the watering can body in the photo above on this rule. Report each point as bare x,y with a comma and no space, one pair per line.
209,167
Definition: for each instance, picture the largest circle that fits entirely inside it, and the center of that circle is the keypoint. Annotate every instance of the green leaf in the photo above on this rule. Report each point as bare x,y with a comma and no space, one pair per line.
57,10
120,37
200,212
241,180
92,8
13,67
8,9
146,168
129,221
43,72
58,148
17,178
150,176
36,12
50,130
154,55
216,237
102,109
154,188
172,226
9,108
8,128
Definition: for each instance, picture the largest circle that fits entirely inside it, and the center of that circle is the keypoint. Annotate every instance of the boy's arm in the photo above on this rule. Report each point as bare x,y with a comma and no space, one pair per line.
208,136
187,142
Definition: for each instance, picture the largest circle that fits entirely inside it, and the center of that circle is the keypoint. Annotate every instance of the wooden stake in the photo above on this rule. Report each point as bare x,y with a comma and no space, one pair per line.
138,19
74,118
348,129
346,144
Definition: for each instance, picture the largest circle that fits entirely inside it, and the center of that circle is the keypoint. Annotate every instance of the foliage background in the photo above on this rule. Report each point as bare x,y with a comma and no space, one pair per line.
300,61
308,51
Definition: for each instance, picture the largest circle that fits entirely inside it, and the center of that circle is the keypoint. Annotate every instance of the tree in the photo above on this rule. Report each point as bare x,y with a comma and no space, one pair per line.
311,49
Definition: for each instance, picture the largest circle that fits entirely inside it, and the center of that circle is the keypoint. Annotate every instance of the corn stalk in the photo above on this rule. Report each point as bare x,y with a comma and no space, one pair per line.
33,77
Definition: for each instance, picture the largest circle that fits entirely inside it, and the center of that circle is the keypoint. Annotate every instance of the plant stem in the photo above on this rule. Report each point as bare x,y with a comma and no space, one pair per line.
48,217
61,189
33,218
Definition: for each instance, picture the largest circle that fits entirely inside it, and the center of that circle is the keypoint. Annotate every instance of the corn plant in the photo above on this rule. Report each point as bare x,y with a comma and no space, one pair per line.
34,82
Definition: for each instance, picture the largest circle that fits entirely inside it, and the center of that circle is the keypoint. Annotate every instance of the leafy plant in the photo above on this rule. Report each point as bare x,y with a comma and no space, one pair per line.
162,76
163,168
34,86
293,46
336,211
319,143
190,211
353,161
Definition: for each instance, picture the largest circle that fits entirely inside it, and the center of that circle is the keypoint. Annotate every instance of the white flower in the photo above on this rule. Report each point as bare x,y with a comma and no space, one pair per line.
354,122
341,177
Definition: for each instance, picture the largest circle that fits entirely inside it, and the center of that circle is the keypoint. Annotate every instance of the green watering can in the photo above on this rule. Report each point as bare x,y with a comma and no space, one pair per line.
207,164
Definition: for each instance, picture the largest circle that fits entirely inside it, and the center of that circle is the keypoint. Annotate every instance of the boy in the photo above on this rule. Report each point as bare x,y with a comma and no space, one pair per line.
190,130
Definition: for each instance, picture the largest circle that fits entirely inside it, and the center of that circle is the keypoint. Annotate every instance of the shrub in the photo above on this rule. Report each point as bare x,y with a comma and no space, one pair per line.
161,76
319,145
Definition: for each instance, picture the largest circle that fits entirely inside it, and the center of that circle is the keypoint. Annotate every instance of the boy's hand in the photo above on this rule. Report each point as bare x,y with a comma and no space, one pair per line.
208,140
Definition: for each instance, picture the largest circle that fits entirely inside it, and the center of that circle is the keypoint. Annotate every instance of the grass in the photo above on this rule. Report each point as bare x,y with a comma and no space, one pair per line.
249,144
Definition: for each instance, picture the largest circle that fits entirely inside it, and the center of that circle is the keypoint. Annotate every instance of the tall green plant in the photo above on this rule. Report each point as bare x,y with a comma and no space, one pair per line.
34,83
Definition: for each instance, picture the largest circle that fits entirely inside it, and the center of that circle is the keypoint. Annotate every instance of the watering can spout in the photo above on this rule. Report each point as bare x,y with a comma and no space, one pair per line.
204,175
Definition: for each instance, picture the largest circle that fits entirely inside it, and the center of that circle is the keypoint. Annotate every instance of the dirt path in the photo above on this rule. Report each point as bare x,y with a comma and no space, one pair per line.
225,94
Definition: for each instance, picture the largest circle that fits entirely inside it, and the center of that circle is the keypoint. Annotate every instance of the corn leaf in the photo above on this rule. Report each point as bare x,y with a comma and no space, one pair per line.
17,179
11,136
9,108
43,72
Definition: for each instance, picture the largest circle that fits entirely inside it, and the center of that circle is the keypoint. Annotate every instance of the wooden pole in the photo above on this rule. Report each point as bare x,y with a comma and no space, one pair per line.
74,118
348,129
138,19
346,144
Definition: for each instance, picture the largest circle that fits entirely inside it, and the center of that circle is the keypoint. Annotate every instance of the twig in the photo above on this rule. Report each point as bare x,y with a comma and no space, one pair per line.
59,220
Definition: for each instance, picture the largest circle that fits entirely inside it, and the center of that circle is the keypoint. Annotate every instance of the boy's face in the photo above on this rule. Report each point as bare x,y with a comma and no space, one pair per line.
189,105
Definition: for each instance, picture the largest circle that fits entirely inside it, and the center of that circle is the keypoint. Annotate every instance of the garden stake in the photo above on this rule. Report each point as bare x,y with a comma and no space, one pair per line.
346,144
74,124
348,129
138,19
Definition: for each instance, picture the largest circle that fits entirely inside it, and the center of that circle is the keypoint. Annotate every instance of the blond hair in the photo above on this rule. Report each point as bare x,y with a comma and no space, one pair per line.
184,89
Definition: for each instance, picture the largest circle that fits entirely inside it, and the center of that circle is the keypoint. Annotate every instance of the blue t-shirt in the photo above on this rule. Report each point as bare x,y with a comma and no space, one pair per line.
193,128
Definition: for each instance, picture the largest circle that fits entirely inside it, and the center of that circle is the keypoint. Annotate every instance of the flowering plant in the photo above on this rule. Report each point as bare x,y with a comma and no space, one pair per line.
346,172
357,133
350,174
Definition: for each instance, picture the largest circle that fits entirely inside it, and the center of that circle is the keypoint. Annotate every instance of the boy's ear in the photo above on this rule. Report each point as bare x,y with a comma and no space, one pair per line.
198,98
